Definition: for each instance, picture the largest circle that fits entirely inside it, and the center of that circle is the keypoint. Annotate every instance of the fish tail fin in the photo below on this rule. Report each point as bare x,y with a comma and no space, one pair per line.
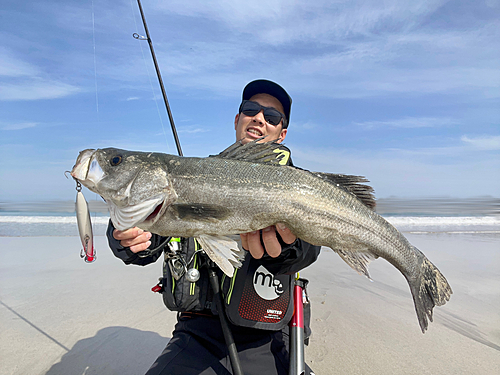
429,289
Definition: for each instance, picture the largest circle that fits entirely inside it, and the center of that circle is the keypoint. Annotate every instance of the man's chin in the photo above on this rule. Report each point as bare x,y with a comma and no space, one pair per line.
247,139
253,137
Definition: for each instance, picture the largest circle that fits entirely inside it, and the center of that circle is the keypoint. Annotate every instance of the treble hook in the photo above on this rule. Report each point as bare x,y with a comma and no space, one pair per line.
78,184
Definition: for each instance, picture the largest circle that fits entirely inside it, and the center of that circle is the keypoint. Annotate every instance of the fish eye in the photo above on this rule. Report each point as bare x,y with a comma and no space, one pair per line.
116,160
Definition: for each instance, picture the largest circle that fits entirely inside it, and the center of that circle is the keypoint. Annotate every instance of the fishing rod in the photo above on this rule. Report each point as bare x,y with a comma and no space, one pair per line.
214,279
160,80
296,326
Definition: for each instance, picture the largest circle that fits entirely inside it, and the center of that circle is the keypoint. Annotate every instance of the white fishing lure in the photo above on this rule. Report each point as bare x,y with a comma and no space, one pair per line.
85,228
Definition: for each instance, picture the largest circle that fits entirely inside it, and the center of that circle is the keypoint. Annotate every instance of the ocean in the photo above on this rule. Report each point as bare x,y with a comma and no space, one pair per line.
424,215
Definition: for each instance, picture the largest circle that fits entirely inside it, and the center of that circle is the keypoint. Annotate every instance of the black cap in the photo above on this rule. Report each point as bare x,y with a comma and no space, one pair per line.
263,86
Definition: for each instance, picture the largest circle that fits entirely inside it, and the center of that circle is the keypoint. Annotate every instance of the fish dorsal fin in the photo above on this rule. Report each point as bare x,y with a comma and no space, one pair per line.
277,154
267,152
352,185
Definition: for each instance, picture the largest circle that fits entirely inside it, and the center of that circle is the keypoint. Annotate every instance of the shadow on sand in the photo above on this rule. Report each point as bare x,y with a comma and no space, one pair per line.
113,350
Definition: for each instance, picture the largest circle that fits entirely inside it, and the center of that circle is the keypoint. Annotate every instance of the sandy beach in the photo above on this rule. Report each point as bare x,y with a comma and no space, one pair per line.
60,315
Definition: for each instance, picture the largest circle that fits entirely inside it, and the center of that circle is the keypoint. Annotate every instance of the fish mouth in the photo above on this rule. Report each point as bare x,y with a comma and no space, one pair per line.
81,167
87,169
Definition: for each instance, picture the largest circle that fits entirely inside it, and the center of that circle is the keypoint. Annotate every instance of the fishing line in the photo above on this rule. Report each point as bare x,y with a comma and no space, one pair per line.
96,95
95,63
149,77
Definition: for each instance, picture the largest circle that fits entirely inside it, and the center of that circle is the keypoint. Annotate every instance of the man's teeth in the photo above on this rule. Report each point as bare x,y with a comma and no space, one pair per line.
256,132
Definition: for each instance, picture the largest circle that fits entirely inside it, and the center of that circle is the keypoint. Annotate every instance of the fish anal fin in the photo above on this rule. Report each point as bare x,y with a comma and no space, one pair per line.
358,261
224,251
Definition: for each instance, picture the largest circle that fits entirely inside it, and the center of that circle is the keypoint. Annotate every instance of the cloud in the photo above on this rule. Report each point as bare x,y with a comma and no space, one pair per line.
304,126
459,150
408,122
483,143
322,20
19,126
193,129
334,49
416,61
361,49
23,80
35,89
14,67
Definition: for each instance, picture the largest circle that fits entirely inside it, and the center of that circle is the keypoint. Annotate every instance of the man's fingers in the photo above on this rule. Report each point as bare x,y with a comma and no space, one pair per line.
286,234
271,243
252,242
254,246
244,240
127,234
142,238
134,238
140,247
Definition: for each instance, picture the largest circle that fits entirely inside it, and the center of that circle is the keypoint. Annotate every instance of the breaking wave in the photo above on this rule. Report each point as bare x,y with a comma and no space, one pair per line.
446,223
20,226
48,219
27,226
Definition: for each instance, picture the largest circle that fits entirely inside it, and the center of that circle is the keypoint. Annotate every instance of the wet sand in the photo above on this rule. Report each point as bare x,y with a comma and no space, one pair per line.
60,315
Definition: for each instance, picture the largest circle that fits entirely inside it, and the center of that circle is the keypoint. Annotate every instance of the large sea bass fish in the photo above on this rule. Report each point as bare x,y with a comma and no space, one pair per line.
245,188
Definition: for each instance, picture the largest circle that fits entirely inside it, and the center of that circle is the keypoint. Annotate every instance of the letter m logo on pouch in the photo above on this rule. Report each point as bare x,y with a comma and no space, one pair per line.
266,285
264,277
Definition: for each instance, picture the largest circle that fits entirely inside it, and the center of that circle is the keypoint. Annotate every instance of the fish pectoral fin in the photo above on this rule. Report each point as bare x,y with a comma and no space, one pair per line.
200,211
224,251
357,260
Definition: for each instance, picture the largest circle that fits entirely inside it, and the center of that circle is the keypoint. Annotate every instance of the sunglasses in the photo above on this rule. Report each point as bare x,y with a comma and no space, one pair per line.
271,115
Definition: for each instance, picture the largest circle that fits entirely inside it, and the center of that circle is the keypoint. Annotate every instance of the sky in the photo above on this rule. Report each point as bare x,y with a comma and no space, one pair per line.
403,92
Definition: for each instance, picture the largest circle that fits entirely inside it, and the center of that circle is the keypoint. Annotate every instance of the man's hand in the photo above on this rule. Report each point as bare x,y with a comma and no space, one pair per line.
134,238
251,240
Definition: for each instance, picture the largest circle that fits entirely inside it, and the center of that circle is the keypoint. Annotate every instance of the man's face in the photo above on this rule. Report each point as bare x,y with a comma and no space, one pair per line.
249,128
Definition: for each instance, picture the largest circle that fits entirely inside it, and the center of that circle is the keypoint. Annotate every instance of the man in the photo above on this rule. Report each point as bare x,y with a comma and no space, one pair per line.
197,345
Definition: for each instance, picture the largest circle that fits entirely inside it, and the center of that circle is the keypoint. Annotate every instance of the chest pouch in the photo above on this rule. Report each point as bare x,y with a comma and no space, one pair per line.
255,297
185,279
